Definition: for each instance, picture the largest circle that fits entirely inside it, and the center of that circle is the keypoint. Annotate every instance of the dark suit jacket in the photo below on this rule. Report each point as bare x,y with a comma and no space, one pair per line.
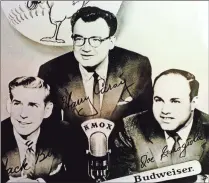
126,69
129,75
143,138
48,153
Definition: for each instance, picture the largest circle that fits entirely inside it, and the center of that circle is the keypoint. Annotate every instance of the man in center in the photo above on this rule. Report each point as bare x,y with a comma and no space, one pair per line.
97,79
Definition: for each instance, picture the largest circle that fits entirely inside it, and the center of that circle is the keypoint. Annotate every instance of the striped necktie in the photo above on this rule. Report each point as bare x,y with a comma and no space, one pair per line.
176,150
29,160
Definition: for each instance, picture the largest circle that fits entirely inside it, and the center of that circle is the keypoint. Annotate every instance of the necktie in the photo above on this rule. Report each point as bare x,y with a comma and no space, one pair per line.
176,150
96,95
29,160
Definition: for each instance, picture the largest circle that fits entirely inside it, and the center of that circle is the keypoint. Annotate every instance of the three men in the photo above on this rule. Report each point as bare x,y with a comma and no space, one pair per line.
173,132
30,153
99,80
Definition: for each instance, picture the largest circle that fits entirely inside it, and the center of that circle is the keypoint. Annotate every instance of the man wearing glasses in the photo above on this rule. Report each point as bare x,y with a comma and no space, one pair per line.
97,79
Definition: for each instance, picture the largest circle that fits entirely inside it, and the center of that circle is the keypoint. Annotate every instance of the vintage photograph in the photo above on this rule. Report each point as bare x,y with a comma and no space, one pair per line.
104,91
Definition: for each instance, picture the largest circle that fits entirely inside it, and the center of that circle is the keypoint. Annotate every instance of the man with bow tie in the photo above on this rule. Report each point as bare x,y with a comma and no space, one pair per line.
173,132
30,152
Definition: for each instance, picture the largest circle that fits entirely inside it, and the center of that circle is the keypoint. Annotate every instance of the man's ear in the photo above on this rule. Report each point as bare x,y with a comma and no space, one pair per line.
9,106
112,42
194,103
48,109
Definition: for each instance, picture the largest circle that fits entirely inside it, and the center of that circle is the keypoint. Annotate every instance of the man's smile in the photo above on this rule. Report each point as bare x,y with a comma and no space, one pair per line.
86,55
23,123
166,119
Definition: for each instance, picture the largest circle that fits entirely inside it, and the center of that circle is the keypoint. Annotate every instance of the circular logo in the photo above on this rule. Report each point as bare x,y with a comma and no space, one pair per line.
48,22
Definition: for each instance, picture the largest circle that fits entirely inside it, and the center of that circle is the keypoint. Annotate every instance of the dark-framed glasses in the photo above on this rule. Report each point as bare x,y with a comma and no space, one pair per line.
93,41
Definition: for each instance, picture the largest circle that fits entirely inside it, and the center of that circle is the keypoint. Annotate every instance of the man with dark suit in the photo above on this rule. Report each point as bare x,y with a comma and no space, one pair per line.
30,151
173,132
98,79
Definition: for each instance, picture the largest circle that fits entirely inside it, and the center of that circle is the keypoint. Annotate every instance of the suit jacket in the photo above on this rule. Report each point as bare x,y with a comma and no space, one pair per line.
49,158
143,140
129,75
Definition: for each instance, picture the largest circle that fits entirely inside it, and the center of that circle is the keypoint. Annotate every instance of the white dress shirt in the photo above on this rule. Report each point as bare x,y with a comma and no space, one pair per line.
88,80
183,133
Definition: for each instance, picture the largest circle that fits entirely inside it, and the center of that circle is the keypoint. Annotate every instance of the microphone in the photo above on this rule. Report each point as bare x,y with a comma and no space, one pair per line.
98,157
98,131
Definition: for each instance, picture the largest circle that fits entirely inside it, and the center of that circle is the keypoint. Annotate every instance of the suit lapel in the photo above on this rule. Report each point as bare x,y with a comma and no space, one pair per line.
158,148
44,157
113,89
11,157
44,161
12,162
196,141
79,97
74,95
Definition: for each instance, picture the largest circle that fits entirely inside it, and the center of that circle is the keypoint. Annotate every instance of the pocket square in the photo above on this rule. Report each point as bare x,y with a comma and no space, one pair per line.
56,170
127,100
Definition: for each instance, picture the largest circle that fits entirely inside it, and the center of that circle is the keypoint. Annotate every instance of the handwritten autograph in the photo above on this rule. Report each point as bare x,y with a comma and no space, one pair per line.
41,156
197,137
146,160
106,88
69,103
17,169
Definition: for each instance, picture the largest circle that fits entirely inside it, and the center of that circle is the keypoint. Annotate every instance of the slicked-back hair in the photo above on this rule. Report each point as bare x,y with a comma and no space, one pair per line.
30,82
193,83
92,13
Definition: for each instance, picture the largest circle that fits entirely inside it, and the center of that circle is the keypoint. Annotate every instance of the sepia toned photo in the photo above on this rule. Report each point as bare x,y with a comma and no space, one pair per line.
104,91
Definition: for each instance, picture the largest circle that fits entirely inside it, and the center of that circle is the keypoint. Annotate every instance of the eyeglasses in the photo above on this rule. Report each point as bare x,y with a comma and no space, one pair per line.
93,41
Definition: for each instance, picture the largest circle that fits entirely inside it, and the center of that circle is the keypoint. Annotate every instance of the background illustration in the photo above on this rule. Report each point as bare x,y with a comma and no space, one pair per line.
48,22
171,34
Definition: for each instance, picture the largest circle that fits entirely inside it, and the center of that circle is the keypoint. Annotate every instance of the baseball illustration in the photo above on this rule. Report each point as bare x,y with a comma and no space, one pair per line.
48,22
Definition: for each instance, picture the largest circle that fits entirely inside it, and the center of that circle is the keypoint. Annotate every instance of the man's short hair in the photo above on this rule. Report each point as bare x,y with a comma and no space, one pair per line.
91,13
193,83
30,82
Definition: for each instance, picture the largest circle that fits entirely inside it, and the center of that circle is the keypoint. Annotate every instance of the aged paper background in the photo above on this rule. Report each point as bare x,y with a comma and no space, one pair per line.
171,34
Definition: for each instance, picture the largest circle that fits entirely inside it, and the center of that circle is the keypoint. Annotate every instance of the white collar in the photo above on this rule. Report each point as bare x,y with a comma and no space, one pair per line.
101,70
183,132
33,137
